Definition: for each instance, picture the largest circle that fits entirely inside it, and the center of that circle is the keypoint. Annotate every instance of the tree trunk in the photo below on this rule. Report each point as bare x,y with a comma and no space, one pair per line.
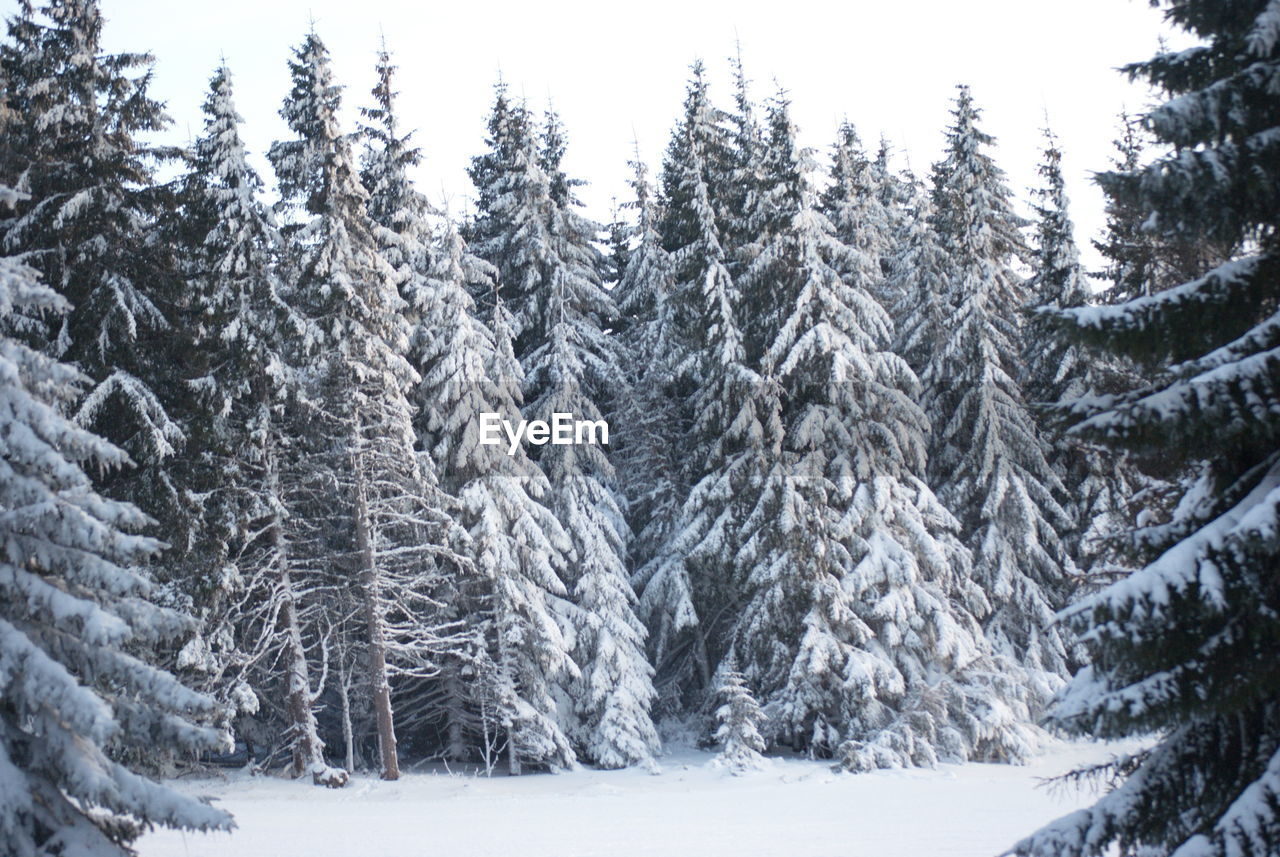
455,744
344,691
513,758
379,683
507,684
308,749
700,657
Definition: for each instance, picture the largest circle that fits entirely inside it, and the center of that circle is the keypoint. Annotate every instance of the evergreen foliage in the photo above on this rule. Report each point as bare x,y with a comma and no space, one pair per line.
1055,369
1142,259
511,596
825,521
74,146
708,386
72,615
857,202
859,628
365,488
241,574
1185,648
988,460
1099,486
543,246
738,721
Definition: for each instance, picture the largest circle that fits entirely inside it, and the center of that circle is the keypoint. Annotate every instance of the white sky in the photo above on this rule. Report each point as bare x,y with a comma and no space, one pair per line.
618,72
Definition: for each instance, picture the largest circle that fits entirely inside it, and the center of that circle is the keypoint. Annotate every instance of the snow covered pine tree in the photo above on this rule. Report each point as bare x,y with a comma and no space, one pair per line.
1186,647
576,368
855,203
515,199
549,273
988,461
683,582
738,722
383,519
649,463
71,614
75,145
493,691
1099,484
246,335
1055,367
858,629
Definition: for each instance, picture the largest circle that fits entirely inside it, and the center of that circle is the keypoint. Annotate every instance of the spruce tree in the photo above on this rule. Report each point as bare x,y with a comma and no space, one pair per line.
73,615
495,175
916,282
696,165
576,369
551,151
1142,259
987,458
541,242
240,241
742,181
371,498
511,598
738,722
246,573
1129,251
688,580
648,455
515,600
1184,649
405,226
1055,369
894,192
1059,372
643,291
854,203
618,240
546,267
402,216
75,145
858,630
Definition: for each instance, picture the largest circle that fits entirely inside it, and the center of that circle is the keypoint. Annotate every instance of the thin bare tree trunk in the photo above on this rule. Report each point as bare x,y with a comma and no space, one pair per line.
308,748
455,746
513,757
700,656
379,682
344,691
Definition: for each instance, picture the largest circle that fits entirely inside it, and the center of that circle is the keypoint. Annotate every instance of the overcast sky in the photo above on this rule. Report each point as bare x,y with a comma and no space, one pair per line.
617,73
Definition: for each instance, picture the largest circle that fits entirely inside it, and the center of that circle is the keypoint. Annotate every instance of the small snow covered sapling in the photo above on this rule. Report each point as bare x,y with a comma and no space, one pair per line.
738,722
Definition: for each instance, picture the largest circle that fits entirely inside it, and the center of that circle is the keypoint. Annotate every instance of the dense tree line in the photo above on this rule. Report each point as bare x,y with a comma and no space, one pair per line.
873,434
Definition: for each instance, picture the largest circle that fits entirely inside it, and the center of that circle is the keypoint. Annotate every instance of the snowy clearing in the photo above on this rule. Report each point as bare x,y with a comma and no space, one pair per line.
793,808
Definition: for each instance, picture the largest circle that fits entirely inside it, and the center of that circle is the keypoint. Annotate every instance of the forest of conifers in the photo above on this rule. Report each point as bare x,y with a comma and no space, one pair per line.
891,480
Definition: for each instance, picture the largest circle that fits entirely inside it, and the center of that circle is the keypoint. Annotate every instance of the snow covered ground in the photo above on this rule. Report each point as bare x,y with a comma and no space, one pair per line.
794,808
